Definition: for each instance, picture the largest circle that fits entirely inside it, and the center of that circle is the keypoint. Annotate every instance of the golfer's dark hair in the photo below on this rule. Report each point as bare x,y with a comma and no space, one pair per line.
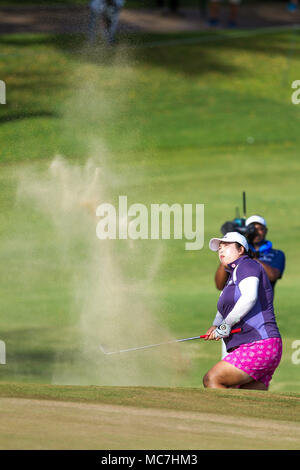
238,245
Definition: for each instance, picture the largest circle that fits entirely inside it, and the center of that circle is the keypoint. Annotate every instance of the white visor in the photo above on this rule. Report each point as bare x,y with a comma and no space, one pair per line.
256,219
230,237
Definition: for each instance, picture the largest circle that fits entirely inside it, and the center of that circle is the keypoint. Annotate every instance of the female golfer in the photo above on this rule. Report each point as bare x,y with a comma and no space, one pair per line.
247,303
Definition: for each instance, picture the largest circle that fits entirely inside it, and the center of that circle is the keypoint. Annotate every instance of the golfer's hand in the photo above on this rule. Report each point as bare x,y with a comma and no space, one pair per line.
210,333
223,331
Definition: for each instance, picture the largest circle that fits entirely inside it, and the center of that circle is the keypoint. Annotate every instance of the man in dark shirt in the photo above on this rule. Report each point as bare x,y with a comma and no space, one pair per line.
261,249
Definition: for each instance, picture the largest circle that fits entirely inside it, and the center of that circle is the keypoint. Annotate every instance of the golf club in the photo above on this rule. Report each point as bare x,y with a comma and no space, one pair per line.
237,330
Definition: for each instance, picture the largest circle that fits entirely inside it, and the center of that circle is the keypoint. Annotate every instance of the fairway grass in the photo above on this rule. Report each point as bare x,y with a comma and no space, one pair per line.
52,417
187,124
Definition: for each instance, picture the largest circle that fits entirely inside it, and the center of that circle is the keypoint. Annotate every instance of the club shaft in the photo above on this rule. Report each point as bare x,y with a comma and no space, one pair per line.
164,343
153,345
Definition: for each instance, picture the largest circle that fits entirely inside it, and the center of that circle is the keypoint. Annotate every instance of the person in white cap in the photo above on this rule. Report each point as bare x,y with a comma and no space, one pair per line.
246,302
261,249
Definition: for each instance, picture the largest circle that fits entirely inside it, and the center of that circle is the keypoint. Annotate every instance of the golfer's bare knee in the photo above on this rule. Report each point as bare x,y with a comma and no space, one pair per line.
206,381
211,380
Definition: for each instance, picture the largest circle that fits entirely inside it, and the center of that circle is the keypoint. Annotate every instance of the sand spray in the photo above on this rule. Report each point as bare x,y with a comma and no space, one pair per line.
115,299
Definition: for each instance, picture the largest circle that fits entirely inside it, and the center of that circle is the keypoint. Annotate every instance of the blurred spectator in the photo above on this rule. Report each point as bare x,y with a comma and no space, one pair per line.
292,6
168,6
105,12
215,11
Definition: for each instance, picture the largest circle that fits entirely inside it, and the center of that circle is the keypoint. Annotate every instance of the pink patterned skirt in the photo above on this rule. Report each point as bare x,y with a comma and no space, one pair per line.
258,359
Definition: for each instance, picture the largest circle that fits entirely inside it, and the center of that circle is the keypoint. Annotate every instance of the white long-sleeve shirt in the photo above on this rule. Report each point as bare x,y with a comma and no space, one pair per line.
249,294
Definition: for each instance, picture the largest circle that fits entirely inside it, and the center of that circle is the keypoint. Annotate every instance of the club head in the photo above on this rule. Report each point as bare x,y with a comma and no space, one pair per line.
106,352
102,349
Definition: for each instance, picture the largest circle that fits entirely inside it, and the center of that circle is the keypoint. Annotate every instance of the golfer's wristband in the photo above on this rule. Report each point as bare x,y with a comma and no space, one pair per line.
218,319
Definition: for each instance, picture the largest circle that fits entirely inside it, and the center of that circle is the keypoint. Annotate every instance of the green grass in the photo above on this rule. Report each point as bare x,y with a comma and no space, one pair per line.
230,402
145,418
176,123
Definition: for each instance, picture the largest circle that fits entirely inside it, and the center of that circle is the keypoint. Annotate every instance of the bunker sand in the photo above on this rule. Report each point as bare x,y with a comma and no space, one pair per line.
50,424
